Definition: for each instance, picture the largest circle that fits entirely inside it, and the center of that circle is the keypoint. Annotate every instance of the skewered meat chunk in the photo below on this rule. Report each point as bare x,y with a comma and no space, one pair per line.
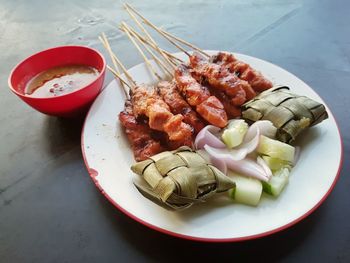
197,95
194,92
173,145
147,102
211,108
178,105
231,110
139,135
222,79
243,70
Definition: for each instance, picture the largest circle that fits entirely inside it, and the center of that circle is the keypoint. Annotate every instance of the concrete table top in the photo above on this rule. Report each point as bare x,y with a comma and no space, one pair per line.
51,211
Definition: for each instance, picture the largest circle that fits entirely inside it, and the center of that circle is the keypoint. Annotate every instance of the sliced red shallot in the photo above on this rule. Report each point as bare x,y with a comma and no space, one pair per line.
218,163
296,155
238,153
206,137
239,158
264,165
266,128
247,167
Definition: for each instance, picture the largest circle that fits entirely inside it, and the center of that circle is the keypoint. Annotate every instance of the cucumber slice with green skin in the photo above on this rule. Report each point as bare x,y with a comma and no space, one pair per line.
277,182
276,164
276,149
234,133
248,190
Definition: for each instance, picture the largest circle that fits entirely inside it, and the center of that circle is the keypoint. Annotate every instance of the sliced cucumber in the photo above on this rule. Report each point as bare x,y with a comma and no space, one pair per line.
234,133
276,149
276,164
247,191
277,182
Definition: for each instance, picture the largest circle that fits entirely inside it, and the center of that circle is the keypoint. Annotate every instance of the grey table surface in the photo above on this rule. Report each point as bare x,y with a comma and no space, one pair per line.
50,210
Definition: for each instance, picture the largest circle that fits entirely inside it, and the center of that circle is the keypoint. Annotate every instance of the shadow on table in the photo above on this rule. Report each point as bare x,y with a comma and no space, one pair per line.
61,135
161,247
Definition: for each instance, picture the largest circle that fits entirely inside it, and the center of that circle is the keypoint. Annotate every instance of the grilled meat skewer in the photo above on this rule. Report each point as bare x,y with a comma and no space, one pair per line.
222,79
243,70
147,102
139,135
197,95
178,105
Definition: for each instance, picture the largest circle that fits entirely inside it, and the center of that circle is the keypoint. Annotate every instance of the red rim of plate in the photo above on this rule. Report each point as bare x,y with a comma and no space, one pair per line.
93,173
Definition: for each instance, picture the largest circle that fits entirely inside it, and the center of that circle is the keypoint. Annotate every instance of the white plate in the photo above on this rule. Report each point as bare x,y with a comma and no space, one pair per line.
108,158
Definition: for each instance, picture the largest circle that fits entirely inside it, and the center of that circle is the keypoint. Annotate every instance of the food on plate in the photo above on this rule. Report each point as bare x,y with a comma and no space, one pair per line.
139,134
151,110
209,135
220,78
289,112
277,182
232,111
147,102
243,158
276,163
248,190
197,95
60,80
234,133
258,163
243,70
201,102
178,179
276,149
178,105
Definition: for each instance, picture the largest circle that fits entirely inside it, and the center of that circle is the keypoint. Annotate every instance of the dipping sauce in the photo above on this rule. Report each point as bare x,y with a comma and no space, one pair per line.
60,80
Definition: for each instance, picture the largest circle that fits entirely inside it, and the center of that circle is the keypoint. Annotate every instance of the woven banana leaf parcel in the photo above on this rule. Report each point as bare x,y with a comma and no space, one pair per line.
290,113
178,179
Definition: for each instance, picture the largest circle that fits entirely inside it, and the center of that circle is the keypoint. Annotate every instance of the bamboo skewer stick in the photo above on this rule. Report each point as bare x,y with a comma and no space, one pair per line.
125,71
146,42
149,65
169,39
117,74
126,6
167,35
115,71
108,47
160,63
155,47
132,84
184,42
173,63
148,36
143,55
117,64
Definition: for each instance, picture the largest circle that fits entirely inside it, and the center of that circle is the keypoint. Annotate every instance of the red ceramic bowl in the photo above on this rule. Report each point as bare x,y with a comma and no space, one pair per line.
67,105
